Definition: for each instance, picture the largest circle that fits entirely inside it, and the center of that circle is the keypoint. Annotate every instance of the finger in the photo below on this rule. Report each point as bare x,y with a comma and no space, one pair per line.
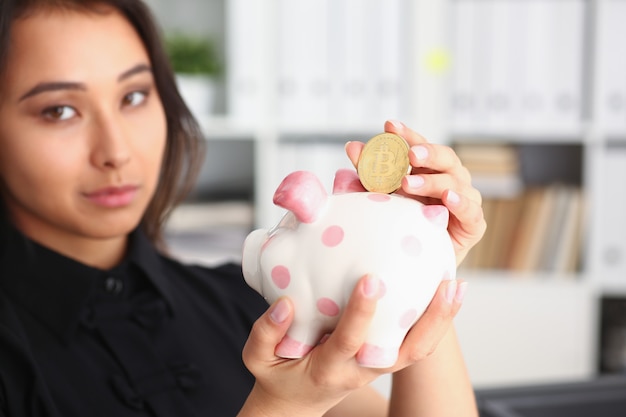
467,210
467,220
430,185
435,184
353,150
399,128
351,330
438,158
424,336
266,334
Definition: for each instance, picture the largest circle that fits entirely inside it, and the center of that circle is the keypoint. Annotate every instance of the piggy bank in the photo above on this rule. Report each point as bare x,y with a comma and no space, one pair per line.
326,242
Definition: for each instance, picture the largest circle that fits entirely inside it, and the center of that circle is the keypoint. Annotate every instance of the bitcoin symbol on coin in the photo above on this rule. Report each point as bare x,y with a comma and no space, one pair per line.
384,161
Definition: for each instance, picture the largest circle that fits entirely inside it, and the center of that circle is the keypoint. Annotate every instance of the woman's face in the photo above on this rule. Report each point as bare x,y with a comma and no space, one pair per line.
82,128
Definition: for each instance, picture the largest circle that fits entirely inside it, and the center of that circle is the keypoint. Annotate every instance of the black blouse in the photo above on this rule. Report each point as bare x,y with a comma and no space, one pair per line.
151,337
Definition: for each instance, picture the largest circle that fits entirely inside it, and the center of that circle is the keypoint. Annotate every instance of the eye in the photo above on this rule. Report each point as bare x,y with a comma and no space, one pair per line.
135,98
59,113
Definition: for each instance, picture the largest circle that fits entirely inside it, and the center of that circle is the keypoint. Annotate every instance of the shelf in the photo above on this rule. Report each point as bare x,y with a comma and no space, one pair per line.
523,134
209,233
223,127
613,289
506,277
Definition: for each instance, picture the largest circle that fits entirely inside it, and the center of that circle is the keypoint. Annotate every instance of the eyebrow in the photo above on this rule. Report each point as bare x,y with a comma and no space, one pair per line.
68,85
139,68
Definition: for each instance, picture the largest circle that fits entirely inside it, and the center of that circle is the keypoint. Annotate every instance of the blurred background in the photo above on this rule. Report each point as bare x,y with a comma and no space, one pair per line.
531,94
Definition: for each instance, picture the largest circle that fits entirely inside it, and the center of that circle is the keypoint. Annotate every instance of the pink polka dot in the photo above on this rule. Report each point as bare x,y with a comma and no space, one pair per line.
411,245
408,318
379,198
373,356
281,276
327,307
332,236
437,214
291,348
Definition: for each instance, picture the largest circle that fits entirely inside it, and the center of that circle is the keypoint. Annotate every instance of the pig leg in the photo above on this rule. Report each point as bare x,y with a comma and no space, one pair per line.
386,333
309,326
301,337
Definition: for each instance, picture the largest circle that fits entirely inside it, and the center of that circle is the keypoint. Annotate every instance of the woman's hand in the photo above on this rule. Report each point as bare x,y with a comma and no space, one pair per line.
438,177
314,384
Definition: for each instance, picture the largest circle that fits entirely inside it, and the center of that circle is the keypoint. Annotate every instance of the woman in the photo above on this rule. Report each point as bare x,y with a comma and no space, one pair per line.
96,149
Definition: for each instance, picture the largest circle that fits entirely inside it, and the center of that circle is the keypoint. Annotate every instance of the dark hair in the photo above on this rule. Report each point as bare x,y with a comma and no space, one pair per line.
184,146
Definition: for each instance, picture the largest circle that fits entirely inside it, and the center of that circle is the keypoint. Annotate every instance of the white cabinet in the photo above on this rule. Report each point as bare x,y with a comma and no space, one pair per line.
528,331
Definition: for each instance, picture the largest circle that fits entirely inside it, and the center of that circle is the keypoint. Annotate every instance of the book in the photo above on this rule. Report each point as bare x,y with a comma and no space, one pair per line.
243,49
569,246
556,226
495,168
528,233
611,66
463,94
507,215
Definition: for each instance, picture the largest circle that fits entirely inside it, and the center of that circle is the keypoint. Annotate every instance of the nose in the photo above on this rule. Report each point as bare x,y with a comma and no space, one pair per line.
110,144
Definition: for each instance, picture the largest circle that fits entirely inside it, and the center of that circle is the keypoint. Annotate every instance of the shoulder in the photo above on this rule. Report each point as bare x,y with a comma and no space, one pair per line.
19,377
12,337
227,276
13,343
222,285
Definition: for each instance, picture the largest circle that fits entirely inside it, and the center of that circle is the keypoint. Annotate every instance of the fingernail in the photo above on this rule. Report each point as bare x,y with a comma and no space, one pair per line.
460,292
451,291
420,152
414,181
346,145
453,198
371,286
396,124
280,312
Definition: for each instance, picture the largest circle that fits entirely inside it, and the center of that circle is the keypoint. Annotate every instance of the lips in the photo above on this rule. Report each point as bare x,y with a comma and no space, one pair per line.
113,197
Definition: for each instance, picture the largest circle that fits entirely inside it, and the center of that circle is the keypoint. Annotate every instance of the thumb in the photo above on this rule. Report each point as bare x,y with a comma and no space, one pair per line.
266,333
353,150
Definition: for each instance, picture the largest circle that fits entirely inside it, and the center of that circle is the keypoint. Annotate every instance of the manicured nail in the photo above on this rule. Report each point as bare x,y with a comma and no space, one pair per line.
420,152
346,145
414,181
460,292
453,198
396,124
280,312
371,286
451,290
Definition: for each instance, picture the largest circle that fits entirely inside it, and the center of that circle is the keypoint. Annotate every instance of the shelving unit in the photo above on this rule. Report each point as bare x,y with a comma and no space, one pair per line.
561,332
515,327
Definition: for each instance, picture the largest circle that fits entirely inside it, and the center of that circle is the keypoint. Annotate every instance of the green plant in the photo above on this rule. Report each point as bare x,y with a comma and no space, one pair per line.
191,54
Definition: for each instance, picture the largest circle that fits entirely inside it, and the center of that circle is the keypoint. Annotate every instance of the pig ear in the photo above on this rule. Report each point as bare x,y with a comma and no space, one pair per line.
303,194
437,214
347,181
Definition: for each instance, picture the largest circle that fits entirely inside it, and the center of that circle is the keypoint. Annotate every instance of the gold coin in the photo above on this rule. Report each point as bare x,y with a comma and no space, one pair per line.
384,161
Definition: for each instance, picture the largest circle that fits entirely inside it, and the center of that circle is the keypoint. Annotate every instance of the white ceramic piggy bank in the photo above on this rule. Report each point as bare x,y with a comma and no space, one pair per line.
325,243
